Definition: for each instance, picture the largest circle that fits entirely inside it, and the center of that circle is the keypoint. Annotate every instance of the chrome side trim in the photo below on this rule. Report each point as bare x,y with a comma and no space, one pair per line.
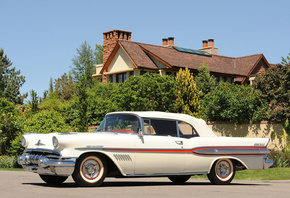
231,151
165,174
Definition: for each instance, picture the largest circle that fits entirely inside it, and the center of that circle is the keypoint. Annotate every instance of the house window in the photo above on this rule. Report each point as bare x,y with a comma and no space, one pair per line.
111,78
217,79
121,77
131,73
224,79
142,72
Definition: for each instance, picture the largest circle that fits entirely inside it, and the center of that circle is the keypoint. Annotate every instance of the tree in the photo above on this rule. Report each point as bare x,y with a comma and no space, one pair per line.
9,125
64,87
274,87
82,105
149,92
204,81
10,80
84,63
34,101
187,96
234,103
50,85
98,54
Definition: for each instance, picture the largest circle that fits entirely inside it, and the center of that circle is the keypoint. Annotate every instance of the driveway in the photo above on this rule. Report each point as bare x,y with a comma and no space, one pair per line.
23,184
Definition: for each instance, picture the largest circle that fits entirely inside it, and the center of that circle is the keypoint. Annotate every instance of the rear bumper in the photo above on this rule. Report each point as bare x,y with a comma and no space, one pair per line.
267,163
47,165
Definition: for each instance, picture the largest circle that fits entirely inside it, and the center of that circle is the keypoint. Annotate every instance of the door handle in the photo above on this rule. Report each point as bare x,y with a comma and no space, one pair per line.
179,142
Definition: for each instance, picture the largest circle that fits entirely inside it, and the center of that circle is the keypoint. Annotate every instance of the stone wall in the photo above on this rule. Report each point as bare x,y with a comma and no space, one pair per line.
271,130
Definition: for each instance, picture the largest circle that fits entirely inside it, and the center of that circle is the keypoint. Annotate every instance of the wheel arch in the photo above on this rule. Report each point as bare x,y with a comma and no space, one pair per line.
113,167
237,163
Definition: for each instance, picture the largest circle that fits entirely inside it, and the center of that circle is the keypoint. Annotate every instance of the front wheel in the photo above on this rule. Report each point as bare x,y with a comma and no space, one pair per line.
52,179
222,172
90,170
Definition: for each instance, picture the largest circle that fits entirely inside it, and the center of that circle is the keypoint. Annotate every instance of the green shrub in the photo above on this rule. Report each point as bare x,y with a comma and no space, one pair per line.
281,158
8,162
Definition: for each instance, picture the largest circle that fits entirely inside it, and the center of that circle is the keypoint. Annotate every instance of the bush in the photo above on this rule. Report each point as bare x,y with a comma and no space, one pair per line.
8,162
281,158
234,103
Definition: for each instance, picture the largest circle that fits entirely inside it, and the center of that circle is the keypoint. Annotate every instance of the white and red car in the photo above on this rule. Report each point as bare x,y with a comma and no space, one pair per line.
142,144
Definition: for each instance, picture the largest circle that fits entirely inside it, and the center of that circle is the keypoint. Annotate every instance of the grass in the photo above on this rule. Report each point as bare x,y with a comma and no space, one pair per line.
11,169
269,174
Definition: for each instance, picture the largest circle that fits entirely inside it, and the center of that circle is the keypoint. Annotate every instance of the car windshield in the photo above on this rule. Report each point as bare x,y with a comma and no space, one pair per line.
120,123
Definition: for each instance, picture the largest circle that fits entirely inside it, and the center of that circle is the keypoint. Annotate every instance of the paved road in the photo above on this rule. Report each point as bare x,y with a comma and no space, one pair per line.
24,184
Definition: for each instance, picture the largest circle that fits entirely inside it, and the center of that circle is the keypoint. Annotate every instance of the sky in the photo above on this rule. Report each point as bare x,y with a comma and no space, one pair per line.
40,37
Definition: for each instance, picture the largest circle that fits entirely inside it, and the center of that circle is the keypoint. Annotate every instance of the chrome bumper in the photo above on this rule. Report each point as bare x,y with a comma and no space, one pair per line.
267,163
47,165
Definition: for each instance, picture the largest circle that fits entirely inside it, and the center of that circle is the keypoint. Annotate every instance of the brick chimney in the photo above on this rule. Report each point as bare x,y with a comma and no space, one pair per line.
171,41
164,42
208,46
110,40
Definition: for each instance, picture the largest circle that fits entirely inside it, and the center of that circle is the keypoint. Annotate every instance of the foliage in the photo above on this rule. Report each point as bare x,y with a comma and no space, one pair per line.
234,103
286,61
100,102
46,121
149,92
34,101
9,124
8,162
64,87
281,158
98,54
10,80
274,87
204,81
82,105
84,63
186,93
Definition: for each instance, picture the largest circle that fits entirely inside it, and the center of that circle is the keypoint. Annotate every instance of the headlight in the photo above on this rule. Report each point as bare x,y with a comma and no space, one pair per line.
55,142
23,141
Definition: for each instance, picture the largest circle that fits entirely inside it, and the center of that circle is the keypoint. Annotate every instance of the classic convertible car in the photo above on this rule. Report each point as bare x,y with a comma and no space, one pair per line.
142,144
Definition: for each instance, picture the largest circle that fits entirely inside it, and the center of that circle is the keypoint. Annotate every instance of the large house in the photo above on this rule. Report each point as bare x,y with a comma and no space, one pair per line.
123,58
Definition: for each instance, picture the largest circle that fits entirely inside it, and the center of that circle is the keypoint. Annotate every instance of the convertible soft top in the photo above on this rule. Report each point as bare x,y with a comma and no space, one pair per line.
199,124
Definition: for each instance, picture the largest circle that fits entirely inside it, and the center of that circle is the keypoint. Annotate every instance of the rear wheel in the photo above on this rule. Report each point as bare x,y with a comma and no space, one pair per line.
222,172
52,179
90,170
179,179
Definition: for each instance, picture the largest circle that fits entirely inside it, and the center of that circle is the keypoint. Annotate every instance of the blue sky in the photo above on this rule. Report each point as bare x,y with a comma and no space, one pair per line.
41,37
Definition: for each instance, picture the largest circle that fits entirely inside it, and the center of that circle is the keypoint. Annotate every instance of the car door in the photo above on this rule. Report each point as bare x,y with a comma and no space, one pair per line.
160,150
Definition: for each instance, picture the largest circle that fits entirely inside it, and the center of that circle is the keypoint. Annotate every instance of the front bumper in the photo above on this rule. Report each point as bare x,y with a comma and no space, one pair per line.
47,165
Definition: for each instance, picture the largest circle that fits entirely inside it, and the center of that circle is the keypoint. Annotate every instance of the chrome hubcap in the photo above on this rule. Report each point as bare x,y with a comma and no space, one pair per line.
91,169
223,169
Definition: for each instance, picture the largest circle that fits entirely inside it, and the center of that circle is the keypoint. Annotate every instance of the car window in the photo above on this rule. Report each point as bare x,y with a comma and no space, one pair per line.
186,130
120,123
160,127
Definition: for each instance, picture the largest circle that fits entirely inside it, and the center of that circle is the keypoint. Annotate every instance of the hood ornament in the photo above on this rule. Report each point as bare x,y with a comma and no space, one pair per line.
39,143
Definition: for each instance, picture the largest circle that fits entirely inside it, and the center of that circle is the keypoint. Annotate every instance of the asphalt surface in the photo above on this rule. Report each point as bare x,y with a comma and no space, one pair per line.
24,184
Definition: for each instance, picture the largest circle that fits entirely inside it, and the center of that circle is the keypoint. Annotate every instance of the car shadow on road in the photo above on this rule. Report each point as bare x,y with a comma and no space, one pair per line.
109,184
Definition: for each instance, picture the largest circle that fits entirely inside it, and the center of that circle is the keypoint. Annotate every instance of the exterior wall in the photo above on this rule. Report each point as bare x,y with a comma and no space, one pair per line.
120,63
260,69
273,131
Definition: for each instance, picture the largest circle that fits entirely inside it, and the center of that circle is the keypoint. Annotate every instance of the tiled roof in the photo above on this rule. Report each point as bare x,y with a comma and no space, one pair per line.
138,52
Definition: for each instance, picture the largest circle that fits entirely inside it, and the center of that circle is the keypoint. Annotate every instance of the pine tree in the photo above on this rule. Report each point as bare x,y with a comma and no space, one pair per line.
204,81
10,80
187,96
